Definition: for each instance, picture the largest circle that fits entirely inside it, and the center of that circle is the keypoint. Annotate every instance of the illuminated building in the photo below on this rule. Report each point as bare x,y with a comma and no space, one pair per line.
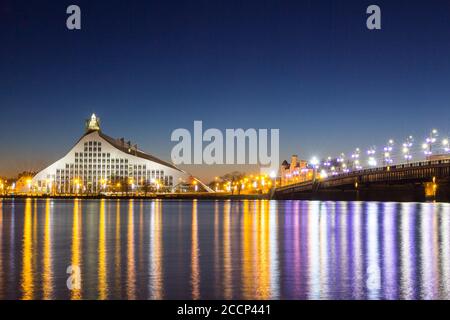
99,163
296,171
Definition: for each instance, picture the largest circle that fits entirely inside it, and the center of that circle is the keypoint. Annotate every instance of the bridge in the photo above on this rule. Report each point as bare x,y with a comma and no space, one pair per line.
416,181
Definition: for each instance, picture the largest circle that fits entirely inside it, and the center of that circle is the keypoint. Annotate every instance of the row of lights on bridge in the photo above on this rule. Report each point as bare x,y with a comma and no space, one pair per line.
387,154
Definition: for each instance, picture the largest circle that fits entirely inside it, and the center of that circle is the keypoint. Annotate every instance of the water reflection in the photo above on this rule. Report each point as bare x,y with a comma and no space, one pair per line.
356,268
429,252
246,249
77,282
131,268
2,285
228,268
117,251
156,251
444,248
389,267
47,273
407,252
195,266
27,254
102,267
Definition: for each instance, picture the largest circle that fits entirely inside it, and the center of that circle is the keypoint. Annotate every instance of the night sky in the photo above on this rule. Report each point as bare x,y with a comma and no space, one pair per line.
310,68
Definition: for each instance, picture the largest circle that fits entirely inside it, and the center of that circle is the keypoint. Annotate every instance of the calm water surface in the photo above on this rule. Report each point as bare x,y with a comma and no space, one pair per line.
133,249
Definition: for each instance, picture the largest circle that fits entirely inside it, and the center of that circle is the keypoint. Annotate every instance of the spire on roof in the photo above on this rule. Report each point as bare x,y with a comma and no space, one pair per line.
93,124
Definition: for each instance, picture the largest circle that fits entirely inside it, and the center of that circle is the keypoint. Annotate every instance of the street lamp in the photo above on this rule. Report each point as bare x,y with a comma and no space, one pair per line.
103,183
341,162
388,152
407,145
273,175
428,145
445,145
29,184
323,174
371,153
77,185
314,162
355,157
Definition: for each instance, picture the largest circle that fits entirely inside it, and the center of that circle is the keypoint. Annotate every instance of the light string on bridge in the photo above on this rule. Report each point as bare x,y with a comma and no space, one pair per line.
391,153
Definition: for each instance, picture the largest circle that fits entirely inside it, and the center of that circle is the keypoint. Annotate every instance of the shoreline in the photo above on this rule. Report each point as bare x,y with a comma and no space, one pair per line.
211,197
187,196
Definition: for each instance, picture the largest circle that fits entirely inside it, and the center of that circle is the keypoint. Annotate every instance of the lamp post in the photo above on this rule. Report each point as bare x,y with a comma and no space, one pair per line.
355,158
314,162
29,185
372,161
273,178
428,145
76,185
388,153
407,145
341,162
445,145
195,186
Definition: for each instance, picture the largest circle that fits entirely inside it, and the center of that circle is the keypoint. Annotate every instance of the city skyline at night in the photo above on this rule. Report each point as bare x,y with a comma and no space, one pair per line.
224,159
312,70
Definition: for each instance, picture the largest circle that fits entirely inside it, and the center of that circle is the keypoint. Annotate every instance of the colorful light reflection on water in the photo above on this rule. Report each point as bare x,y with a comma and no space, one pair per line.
251,249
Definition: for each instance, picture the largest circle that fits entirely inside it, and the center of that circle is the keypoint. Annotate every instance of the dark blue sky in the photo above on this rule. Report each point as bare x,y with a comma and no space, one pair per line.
309,68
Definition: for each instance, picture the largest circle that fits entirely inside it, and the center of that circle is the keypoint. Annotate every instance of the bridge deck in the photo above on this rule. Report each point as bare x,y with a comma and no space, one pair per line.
410,173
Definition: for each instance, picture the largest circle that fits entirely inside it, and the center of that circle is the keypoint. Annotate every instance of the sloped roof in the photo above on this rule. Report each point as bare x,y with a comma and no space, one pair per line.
130,150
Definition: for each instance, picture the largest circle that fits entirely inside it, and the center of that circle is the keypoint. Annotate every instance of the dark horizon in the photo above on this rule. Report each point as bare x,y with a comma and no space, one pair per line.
309,68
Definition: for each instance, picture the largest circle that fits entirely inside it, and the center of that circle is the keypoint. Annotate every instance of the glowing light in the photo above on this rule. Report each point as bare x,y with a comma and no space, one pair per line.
445,144
371,151
372,162
314,161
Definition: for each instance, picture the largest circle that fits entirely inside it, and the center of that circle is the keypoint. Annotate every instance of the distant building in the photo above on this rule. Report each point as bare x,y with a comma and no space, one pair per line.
100,163
295,171
436,157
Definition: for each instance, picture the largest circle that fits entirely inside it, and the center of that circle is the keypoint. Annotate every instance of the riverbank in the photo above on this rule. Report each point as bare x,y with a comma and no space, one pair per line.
168,196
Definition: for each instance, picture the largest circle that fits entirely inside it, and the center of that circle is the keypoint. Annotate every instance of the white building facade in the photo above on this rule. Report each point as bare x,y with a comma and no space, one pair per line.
98,163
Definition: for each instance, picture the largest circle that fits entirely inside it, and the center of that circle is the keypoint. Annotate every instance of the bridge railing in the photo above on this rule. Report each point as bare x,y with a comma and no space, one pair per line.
357,173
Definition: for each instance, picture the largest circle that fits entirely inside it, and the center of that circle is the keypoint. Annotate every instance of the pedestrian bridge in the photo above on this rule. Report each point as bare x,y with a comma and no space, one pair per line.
409,182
